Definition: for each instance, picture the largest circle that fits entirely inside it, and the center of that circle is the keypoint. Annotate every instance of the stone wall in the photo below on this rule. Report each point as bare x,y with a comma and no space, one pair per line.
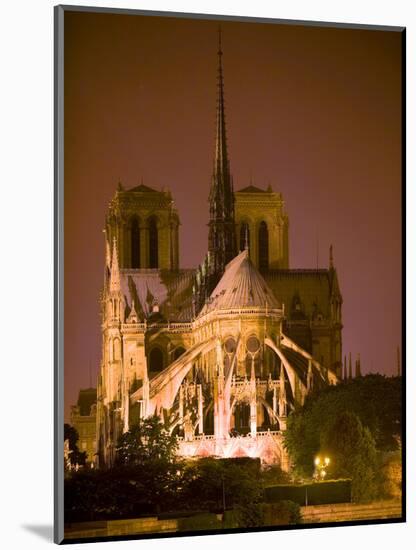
385,509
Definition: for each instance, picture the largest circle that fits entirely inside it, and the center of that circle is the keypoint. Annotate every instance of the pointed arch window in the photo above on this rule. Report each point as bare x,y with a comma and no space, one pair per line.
244,234
242,417
153,244
263,247
135,243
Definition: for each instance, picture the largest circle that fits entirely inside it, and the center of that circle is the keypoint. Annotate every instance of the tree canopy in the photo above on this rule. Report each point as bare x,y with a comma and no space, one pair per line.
76,456
353,454
374,399
147,442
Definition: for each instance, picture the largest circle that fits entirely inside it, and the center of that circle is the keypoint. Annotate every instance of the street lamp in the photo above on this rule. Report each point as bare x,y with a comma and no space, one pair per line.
321,465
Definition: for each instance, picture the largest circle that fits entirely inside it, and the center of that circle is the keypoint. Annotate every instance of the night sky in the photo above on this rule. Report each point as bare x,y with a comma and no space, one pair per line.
314,112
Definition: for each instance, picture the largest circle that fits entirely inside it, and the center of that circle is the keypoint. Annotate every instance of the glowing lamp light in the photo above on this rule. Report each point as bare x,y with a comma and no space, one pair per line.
327,461
317,461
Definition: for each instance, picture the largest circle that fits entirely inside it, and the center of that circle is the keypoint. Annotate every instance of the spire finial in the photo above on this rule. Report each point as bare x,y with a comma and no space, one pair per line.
107,253
349,368
358,367
246,238
115,272
219,40
331,257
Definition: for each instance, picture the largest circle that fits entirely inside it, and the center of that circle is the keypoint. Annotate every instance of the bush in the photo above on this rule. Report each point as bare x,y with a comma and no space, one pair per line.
322,492
284,512
200,522
390,475
274,475
209,483
121,492
249,514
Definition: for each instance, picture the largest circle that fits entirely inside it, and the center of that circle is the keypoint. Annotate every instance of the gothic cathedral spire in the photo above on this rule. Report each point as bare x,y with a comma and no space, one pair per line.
221,240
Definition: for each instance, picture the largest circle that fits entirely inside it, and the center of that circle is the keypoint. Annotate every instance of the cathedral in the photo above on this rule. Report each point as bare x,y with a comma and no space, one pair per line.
222,353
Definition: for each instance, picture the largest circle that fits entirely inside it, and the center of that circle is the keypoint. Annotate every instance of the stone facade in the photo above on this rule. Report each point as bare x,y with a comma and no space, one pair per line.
223,380
84,420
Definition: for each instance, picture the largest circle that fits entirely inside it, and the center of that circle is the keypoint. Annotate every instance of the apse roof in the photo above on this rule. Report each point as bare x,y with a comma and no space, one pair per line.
241,286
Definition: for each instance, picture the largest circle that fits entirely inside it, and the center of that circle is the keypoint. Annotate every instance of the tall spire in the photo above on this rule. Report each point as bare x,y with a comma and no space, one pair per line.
221,157
221,240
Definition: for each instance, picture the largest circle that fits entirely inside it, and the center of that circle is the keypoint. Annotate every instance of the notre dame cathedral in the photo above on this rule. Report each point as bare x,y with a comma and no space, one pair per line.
222,352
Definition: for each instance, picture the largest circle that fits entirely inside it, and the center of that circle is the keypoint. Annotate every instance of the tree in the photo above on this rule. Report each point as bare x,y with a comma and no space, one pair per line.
75,456
353,454
146,478
375,399
148,442
147,455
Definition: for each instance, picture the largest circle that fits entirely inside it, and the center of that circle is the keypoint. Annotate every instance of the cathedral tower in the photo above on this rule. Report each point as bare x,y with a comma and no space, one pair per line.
221,239
145,224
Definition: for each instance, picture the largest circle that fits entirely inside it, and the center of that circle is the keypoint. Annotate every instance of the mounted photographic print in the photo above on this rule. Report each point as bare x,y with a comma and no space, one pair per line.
229,274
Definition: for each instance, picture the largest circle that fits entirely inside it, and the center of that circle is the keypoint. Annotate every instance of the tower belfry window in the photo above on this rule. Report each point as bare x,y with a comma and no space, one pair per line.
135,243
263,247
153,244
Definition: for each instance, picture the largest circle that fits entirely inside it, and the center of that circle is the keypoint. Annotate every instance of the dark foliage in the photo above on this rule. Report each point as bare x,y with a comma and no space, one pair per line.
166,487
374,399
284,512
76,456
145,443
323,492
353,452
122,492
216,484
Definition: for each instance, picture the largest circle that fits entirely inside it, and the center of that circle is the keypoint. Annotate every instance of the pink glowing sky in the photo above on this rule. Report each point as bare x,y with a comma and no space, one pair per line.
315,112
